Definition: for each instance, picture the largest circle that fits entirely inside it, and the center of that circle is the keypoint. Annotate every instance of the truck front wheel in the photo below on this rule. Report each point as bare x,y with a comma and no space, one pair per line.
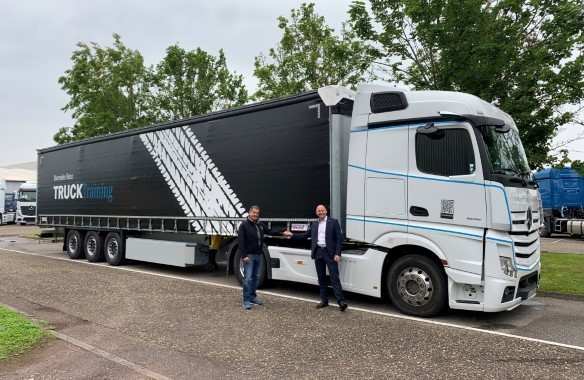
114,249
93,247
75,244
417,286
238,269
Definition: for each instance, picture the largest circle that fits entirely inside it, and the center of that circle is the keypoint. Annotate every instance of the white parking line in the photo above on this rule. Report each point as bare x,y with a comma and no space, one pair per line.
393,315
554,242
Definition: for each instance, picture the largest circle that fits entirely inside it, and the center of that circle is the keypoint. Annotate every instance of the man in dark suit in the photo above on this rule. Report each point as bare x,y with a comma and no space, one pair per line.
325,237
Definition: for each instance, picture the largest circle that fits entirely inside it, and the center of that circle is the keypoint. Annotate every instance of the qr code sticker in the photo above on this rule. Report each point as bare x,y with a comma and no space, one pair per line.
447,210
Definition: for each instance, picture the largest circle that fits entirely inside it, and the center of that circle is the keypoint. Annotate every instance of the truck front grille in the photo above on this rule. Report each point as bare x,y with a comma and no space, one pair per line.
525,221
28,210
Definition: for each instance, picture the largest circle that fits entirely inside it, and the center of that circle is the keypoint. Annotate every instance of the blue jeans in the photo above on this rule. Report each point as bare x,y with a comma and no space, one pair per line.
251,275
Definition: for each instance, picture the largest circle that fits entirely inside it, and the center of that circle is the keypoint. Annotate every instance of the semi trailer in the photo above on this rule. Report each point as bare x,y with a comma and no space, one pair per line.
432,190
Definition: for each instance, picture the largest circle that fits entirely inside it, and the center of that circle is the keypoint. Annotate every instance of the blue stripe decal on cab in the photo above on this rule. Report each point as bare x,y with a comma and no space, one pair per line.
418,227
441,180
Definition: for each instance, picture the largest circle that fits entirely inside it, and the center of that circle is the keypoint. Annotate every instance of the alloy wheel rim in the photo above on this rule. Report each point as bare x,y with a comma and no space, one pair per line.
415,286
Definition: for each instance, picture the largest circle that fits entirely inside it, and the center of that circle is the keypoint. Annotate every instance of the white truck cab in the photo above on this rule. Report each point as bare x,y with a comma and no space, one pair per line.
438,183
26,204
7,210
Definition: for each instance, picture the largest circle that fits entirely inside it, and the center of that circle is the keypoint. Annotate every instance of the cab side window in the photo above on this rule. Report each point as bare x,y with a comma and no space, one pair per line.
447,152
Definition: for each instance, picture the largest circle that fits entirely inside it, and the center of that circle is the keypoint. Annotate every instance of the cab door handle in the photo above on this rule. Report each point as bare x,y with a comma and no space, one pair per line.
418,211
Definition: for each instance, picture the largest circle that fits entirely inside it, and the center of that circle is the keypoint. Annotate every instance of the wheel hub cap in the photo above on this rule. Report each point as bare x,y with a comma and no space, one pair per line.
415,286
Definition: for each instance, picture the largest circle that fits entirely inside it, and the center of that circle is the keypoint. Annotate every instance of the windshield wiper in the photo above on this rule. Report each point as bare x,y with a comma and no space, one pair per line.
504,170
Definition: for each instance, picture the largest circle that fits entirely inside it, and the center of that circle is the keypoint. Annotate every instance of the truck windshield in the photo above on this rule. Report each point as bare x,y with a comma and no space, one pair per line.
505,151
27,196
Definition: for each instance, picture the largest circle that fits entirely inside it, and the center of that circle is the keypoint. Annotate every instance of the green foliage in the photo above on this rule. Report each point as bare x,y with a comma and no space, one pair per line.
523,56
564,161
562,272
108,89
111,90
309,56
17,334
191,83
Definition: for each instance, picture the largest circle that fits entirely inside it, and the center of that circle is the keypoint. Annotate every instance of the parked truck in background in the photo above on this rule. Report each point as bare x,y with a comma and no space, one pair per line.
562,196
26,203
432,190
7,204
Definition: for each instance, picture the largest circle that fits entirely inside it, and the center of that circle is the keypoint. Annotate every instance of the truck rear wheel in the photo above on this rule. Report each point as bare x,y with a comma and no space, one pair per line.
417,286
75,244
544,229
114,249
93,247
238,269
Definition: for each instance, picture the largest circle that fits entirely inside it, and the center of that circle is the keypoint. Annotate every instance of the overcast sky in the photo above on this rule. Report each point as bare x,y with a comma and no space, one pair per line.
38,37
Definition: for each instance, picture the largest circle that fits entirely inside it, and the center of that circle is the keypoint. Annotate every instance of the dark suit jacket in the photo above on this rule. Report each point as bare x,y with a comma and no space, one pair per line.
332,237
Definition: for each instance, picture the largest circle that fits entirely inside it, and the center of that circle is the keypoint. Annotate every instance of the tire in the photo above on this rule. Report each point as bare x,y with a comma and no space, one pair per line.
238,269
544,230
114,249
93,247
417,286
74,244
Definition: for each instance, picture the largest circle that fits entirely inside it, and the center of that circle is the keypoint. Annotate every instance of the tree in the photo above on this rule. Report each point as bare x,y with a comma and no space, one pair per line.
309,56
108,89
523,56
188,83
111,90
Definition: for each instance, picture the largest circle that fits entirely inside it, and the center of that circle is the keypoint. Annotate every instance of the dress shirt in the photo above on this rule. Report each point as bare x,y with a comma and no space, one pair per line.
322,231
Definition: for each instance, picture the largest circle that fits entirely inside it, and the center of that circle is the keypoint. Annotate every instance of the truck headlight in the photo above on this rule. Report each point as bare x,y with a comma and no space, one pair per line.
507,267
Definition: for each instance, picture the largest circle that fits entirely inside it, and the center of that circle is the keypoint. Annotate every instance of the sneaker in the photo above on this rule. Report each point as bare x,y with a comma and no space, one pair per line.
256,302
246,305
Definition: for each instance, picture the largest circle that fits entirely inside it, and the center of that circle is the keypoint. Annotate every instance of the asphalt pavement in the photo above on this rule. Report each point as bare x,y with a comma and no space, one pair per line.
150,321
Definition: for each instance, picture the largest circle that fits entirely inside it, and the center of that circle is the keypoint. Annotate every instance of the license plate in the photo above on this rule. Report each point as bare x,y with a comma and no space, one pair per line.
531,293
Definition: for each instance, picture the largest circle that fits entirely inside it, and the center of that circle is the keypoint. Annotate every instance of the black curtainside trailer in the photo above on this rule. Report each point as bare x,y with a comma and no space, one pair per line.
212,166
189,180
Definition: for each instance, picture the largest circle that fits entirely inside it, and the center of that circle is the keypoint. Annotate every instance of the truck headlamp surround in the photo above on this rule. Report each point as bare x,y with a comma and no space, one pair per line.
507,267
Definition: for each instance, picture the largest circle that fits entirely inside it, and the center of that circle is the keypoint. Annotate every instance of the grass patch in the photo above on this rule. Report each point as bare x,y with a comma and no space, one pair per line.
562,272
31,235
17,334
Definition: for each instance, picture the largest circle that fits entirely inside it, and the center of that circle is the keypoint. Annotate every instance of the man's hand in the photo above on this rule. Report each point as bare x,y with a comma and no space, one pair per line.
246,259
337,258
287,233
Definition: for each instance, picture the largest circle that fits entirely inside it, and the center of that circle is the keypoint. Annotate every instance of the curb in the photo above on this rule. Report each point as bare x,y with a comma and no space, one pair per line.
564,296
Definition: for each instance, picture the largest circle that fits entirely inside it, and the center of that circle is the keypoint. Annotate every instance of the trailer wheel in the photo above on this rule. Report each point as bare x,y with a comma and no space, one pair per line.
238,269
114,249
75,244
544,229
93,247
417,286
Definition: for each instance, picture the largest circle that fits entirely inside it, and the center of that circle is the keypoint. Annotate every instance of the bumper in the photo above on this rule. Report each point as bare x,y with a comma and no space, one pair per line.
495,294
26,219
506,295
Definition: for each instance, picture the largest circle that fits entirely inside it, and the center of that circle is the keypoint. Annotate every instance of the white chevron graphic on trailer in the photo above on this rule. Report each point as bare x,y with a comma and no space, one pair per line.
194,179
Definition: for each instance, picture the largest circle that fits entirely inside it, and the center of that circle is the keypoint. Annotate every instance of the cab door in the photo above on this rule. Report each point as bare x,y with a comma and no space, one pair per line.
446,192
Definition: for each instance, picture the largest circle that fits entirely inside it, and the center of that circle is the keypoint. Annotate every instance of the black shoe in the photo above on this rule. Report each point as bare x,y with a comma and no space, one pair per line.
322,304
343,305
